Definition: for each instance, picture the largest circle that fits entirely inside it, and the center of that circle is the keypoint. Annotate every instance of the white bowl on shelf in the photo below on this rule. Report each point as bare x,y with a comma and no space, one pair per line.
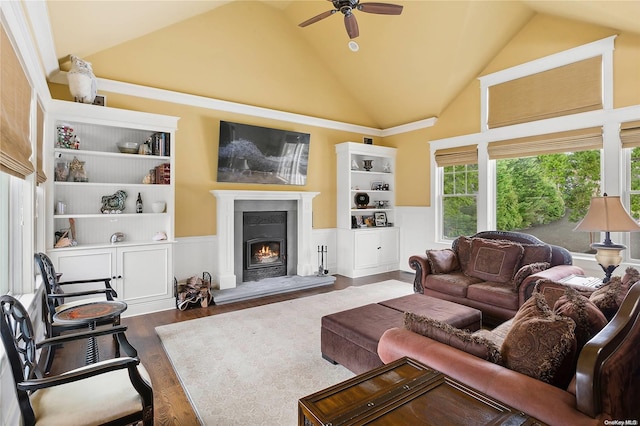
128,147
158,206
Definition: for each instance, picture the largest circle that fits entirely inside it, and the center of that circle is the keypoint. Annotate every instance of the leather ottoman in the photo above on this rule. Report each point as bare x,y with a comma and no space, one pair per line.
351,337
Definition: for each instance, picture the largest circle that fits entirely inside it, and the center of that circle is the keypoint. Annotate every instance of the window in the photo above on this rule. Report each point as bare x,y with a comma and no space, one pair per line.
11,234
547,195
459,204
634,199
630,138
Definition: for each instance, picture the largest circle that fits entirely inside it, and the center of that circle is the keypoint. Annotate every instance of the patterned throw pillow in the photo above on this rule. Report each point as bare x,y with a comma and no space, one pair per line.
540,343
463,248
535,253
631,276
494,260
442,261
527,270
588,318
609,297
454,337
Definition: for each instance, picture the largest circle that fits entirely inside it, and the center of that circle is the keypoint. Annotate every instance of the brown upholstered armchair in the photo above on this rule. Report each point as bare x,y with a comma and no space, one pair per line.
116,391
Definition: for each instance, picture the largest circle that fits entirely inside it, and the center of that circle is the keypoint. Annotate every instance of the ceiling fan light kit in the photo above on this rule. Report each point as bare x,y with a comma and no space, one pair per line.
347,7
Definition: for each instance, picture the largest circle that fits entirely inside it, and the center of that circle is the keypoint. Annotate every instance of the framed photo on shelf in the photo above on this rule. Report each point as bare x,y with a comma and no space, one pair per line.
377,185
381,218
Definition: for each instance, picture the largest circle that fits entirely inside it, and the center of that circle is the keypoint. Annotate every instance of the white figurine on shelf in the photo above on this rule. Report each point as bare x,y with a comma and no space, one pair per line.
386,168
354,165
82,82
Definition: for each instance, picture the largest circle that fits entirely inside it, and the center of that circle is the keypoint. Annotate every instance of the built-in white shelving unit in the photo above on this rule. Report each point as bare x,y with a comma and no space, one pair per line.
141,266
367,240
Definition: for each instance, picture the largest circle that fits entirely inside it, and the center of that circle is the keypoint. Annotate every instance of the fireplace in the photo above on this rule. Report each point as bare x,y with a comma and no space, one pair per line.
301,254
264,235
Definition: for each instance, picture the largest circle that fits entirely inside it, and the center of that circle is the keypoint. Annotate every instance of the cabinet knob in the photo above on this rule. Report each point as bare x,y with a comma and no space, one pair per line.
379,248
116,278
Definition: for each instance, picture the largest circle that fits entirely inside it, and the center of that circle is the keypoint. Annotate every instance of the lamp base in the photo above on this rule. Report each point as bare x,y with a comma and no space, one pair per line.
608,270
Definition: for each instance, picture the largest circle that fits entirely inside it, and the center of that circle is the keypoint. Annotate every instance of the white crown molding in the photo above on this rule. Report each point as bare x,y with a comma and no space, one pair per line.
410,127
137,90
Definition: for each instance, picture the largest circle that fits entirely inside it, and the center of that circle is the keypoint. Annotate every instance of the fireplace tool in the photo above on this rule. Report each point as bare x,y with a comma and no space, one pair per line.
321,251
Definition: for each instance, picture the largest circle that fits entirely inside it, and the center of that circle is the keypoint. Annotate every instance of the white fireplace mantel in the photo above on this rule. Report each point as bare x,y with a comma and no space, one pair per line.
225,200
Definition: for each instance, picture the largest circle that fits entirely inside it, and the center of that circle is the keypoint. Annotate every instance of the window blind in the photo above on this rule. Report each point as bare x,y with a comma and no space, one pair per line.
552,143
15,102
457,156
630,134
565,90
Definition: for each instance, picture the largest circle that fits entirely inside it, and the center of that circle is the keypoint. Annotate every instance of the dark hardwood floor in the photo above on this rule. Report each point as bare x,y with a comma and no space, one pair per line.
170,403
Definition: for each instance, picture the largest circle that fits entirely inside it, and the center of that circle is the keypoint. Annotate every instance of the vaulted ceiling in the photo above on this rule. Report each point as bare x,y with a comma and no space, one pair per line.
408,67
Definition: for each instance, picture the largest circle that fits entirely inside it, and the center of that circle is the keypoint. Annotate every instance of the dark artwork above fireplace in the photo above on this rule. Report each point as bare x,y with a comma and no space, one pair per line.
253,154
264,236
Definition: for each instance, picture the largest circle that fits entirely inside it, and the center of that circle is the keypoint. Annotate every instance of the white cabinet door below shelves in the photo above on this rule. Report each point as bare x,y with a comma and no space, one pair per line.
84,264
145,272
389,246
367,249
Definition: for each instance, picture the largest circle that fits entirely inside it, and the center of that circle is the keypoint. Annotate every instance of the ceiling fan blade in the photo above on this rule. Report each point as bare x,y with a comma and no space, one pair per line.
317,18
351,25
381,8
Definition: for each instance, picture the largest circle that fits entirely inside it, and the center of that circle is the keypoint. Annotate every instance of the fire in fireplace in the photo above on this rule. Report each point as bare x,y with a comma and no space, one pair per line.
264,235
263,252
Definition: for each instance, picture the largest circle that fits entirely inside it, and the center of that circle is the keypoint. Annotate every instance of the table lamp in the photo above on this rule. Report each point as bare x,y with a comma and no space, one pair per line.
607,214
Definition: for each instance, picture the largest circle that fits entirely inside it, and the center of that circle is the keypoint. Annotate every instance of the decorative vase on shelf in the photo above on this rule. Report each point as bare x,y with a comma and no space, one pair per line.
367,164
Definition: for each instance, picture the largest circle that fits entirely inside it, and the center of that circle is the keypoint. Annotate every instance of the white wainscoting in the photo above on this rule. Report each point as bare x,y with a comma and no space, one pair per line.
194,255
416,233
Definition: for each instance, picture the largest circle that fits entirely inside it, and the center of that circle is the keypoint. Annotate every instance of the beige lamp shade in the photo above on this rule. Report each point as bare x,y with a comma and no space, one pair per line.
607,214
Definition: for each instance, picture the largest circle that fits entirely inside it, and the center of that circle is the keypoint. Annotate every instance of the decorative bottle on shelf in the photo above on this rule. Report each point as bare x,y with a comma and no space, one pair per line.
139,204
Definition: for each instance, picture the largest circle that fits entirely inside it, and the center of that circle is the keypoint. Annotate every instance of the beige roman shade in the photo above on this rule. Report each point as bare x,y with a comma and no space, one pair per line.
565,90
552,143
457,156
15,102
630,134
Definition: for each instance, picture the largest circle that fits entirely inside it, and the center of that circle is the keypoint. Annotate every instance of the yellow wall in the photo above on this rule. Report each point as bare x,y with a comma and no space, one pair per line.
248,75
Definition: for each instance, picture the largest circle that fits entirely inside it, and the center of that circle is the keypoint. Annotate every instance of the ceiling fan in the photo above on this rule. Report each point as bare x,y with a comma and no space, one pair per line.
348,6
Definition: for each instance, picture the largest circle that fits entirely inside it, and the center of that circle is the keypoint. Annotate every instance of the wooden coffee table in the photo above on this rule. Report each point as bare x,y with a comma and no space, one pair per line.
405,392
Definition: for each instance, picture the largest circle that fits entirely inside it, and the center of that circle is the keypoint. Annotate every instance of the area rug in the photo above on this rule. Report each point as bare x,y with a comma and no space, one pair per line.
250,367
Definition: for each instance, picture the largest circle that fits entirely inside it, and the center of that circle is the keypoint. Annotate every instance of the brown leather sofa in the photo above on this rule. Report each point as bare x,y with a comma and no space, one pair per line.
493,271
604,389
